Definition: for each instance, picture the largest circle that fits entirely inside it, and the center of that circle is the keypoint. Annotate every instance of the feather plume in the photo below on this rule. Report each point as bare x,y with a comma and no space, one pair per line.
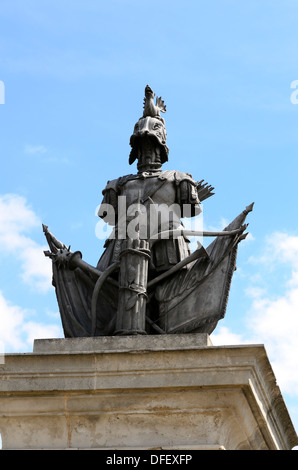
160,104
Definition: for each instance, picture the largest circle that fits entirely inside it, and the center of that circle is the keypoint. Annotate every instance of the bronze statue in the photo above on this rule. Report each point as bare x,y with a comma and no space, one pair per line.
148,281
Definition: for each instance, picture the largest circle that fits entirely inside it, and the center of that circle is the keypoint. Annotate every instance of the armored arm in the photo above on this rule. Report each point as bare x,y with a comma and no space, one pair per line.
187,197
108,209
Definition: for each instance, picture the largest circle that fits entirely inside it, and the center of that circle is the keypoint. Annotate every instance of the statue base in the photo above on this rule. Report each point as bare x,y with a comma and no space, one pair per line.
142,392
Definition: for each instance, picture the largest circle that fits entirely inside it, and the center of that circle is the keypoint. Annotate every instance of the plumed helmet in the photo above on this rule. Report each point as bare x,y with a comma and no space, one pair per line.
151,125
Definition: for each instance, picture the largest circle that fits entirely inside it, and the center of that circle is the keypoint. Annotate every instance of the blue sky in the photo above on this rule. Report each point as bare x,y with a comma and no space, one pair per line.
74,74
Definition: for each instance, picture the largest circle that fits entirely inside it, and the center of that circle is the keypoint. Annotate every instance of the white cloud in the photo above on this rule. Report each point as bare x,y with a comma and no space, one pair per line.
223,336
272,318
279,248
16,220
255,291
35,330
35,149
11,318
17,333
15,215
221,225
36,269
274,322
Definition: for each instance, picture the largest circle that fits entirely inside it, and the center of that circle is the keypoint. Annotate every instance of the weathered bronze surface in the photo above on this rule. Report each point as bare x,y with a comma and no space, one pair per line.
147,281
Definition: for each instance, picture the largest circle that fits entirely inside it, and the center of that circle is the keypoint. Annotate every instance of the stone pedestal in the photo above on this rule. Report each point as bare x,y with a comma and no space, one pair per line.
142,392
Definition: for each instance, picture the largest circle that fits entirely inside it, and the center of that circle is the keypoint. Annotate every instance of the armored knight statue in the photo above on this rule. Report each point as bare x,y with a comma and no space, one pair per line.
147,280
170,191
